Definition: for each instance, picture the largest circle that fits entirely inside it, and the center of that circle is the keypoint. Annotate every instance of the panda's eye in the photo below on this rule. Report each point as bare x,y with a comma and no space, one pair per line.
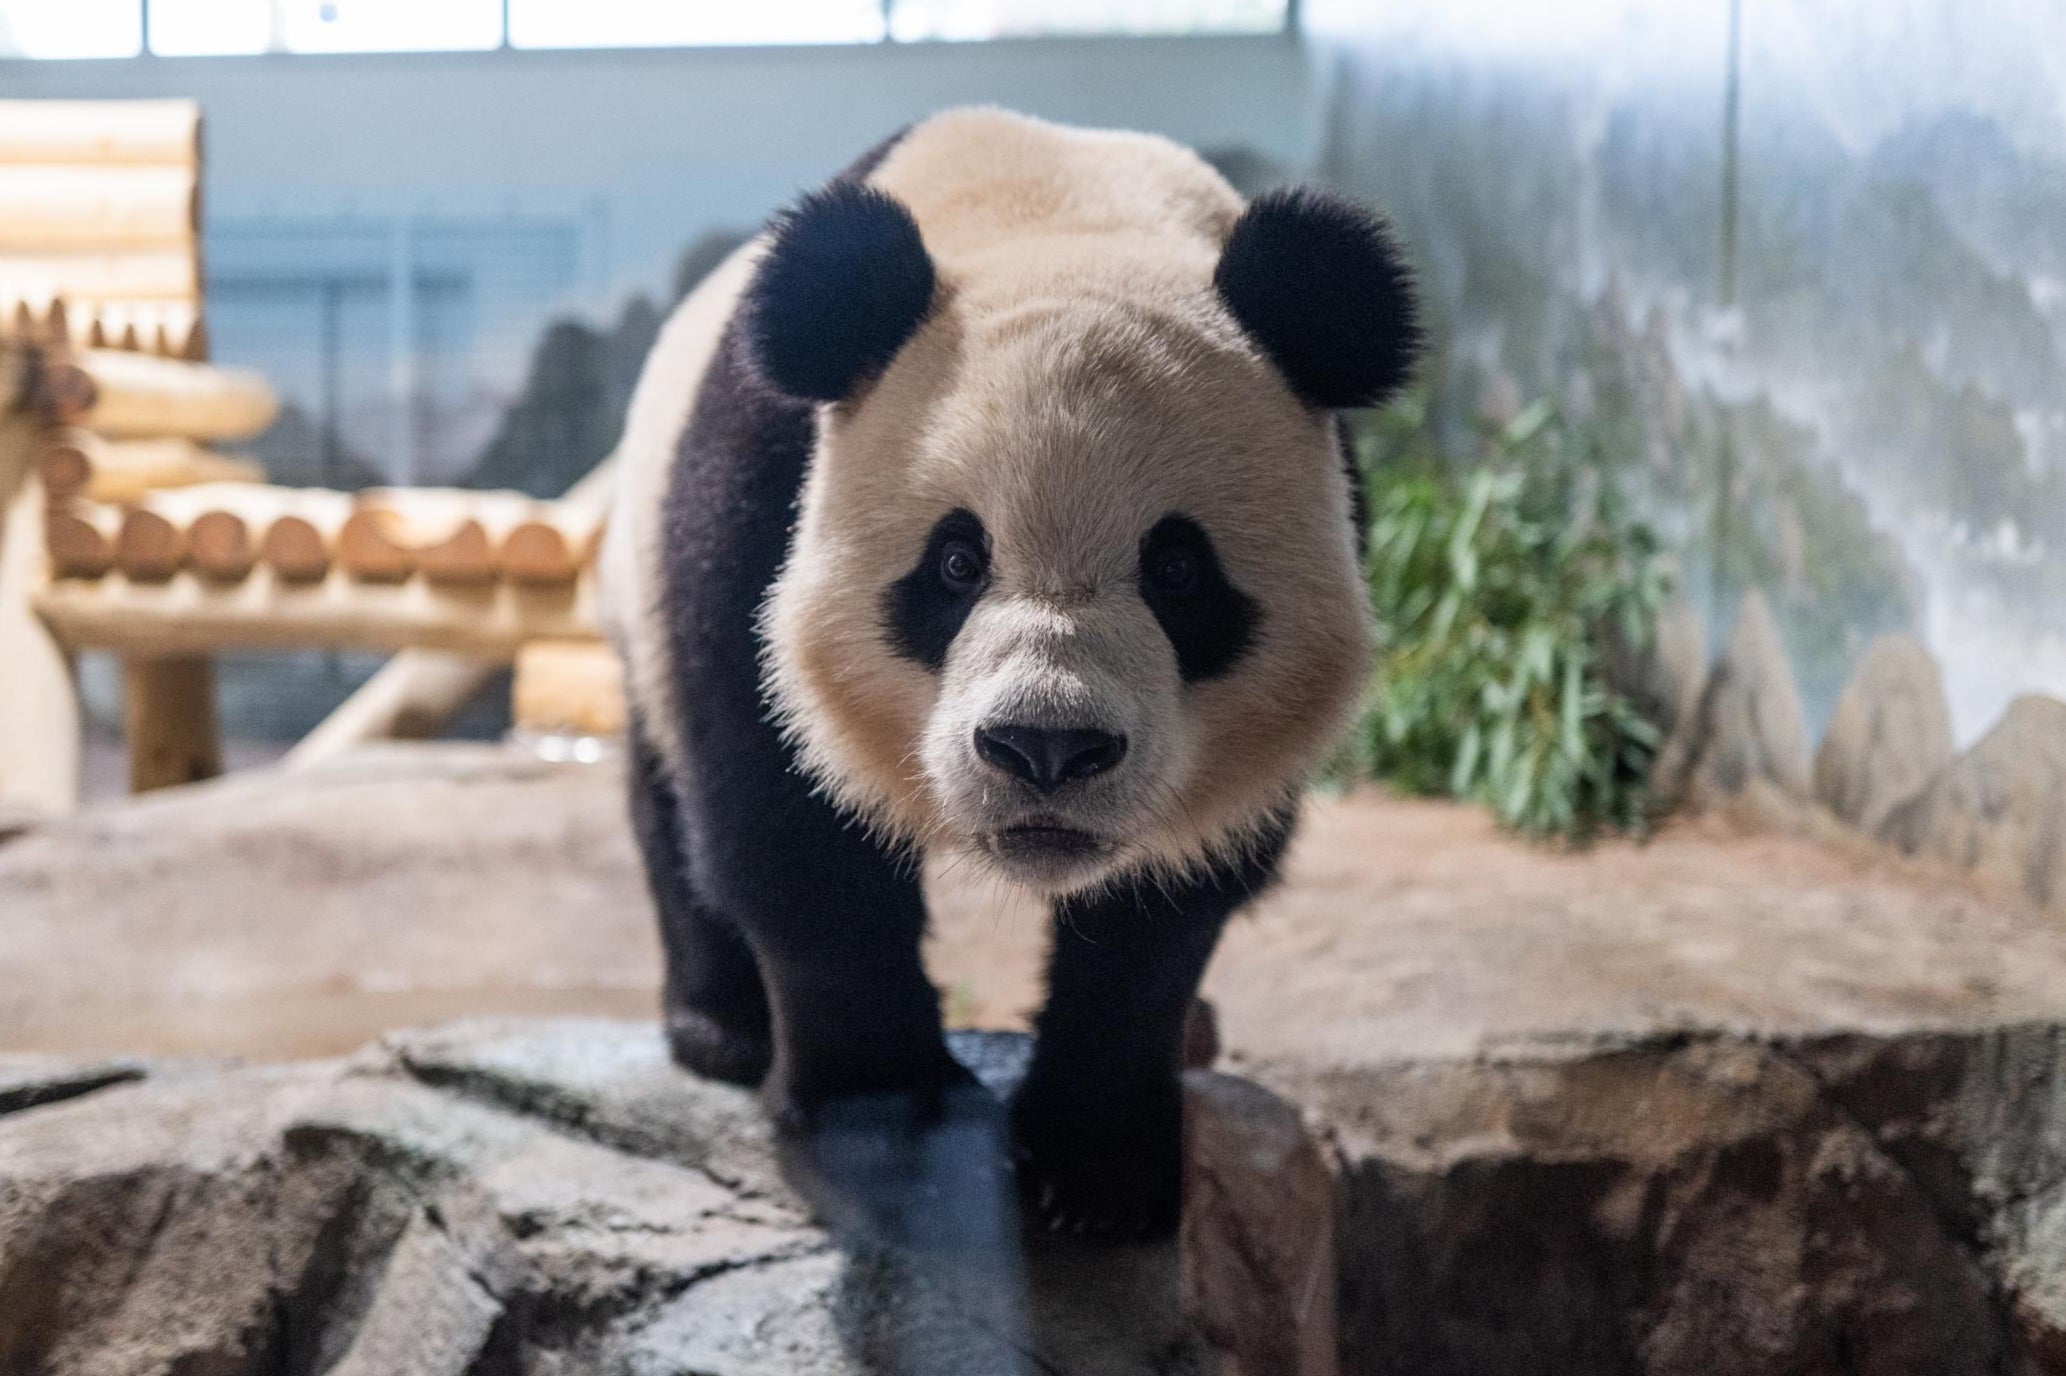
1174,571
962,566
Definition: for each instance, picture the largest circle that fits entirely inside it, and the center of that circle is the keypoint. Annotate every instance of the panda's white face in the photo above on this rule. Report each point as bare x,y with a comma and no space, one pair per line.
1074,592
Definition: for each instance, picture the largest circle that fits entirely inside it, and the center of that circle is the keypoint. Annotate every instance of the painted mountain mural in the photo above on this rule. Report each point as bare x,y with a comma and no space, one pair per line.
1797,266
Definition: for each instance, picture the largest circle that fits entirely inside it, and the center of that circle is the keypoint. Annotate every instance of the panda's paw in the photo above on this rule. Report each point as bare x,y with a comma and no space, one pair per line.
702,1044
1118,1178
925,1169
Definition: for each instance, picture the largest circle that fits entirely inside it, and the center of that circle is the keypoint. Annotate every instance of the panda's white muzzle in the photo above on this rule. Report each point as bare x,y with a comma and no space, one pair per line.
1055,732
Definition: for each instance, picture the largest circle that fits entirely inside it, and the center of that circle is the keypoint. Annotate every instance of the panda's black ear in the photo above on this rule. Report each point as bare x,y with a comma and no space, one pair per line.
1320,283
845,282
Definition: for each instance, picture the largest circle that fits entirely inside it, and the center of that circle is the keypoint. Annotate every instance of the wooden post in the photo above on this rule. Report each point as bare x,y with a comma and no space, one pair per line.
39,706
169,711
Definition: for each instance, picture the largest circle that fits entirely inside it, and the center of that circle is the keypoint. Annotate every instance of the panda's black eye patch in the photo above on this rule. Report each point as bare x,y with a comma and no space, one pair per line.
1210,622
923,611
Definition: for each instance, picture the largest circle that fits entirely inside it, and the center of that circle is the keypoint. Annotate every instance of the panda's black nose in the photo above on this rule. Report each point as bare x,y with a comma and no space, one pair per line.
1047,757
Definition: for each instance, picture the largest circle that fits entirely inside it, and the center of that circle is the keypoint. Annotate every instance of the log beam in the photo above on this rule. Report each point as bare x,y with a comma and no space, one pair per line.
137,396
103,132
188,615
413,697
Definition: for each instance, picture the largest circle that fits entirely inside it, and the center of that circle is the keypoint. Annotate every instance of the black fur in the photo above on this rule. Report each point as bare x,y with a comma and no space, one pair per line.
922,612
1211,623
845,283
1098,1121
715,1007
1319,282
1359,492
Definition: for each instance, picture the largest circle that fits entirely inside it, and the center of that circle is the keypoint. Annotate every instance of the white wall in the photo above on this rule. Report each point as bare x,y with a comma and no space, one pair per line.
659,145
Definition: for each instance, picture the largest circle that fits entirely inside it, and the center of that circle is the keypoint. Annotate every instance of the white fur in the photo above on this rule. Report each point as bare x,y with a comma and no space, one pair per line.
1077,380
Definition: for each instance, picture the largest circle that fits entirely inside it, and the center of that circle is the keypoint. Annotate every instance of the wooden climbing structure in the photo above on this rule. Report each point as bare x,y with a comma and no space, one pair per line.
128,531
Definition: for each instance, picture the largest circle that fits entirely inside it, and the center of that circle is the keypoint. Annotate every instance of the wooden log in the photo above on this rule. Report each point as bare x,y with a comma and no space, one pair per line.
100,131
150,275
81,463
188,615
80,538
140,396
220,541
123,471
412,697
448,535
66,466
220,547
300,540
71,209
65,390
150,547
464,536
568,688
295,548
372,547
537,554
170,721
465,556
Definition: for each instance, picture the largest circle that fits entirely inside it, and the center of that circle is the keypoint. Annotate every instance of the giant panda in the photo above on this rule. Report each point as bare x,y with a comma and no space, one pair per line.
992,504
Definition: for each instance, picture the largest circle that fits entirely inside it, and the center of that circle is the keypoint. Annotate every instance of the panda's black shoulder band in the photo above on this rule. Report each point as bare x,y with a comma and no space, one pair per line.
1320,284
844,284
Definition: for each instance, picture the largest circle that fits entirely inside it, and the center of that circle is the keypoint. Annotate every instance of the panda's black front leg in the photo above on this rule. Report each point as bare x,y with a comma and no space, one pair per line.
1098,1123
715,1007
878,1124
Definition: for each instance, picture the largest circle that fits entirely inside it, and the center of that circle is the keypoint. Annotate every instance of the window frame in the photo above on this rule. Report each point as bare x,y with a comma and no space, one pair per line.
1286,26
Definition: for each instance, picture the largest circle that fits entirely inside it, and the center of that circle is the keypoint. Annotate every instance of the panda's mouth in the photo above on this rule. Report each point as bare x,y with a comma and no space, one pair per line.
1045,841
1046,855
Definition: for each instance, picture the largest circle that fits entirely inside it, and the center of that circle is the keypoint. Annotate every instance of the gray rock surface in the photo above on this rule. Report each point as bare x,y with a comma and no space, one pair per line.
294,914
1750,733
1718,1103
1999,811
1708,1205
552,1196
1889,735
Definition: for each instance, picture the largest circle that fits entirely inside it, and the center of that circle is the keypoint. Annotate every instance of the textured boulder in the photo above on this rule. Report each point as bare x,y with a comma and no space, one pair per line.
2000,810
1706,1205
1716,1103
554,1197
1889,735
1749,733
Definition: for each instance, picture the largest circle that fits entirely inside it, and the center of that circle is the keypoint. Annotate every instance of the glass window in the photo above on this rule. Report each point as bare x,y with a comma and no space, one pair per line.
667,23
195,28
71,28
917,20
362,26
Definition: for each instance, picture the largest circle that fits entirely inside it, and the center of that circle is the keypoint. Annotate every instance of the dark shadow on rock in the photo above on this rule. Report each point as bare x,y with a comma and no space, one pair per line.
938,1277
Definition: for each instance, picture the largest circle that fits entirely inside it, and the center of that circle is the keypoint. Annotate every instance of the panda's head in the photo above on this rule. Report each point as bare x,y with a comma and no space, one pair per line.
1075,586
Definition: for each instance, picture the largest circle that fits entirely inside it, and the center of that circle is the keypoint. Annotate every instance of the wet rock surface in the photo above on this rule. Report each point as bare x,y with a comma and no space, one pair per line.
552,1196
1719,1103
